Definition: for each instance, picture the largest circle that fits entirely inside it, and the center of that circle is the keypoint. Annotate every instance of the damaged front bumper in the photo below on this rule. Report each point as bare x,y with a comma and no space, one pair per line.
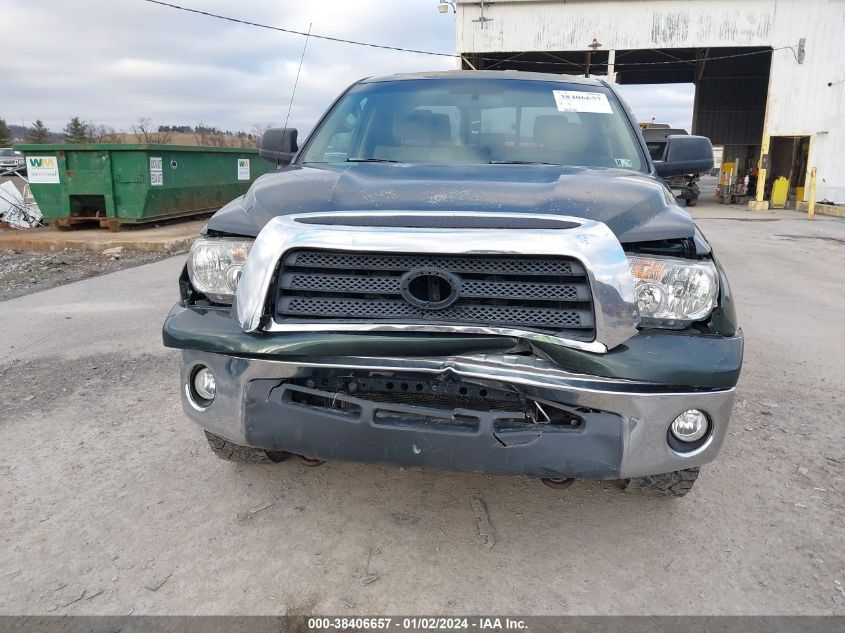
330,396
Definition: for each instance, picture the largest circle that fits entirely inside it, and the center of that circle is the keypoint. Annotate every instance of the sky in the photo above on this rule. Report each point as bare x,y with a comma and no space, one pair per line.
110,62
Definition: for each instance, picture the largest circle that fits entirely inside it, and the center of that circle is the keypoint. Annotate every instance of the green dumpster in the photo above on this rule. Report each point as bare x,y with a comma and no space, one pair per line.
118,184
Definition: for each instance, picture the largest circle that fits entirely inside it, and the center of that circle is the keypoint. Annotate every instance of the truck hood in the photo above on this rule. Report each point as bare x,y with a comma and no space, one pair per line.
637,207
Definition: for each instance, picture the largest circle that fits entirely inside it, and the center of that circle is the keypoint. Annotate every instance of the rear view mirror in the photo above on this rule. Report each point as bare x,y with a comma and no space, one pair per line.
278,145
685,154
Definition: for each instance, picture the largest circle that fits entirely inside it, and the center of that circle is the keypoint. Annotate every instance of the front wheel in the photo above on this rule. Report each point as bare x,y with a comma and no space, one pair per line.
675,484
231,452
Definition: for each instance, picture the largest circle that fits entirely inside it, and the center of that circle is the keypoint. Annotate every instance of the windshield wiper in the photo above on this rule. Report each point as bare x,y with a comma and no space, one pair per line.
370,160
518,162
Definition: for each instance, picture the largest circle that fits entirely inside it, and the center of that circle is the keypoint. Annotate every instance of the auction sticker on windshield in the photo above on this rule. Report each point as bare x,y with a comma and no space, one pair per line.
43,170
577,101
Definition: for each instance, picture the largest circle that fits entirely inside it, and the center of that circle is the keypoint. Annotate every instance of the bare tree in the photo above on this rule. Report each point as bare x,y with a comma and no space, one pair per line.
145,134
162,136
142,130
103,133
258,130
209,136
202,133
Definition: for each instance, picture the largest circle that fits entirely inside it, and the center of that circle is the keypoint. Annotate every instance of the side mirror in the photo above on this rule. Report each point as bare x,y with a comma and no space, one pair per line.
685,155
278,145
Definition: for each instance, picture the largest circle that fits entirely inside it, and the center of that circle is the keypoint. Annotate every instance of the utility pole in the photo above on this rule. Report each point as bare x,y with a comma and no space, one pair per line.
595,46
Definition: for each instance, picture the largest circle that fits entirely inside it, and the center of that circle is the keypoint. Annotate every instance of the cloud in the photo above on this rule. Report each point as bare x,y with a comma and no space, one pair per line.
112,62
670,104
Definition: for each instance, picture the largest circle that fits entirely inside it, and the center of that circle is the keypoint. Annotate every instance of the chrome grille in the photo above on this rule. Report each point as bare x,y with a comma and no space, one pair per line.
504,264
543,293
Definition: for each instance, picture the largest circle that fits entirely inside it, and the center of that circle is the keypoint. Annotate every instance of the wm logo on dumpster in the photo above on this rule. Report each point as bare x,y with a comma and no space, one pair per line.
42,163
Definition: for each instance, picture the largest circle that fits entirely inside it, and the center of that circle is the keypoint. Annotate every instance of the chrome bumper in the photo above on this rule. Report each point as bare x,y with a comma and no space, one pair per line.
629,432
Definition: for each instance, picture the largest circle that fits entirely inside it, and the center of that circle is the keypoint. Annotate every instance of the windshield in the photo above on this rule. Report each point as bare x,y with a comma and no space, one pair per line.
9,152
655,149
477,121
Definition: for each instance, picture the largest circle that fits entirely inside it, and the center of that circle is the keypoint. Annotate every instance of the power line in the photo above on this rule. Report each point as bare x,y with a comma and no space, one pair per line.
294,32
453,55
624,64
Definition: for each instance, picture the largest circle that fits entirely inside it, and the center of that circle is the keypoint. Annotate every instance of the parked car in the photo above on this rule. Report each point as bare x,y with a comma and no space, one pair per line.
683,186
474,271
11,161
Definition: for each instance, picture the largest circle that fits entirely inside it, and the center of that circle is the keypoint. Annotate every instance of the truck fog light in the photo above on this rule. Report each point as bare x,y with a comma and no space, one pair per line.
204,384
690,426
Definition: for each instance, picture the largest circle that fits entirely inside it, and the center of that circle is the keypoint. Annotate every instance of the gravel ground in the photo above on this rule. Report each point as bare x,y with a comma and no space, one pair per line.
113,504
22,272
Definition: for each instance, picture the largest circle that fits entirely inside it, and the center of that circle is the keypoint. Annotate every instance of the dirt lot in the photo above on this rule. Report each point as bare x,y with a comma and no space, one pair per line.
112,503
22,273
24,270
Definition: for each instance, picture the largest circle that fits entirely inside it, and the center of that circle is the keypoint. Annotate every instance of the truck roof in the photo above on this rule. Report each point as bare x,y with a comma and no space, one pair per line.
660,133
488,74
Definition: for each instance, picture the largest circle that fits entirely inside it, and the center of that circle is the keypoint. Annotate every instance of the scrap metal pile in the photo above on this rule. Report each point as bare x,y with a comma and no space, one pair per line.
17,208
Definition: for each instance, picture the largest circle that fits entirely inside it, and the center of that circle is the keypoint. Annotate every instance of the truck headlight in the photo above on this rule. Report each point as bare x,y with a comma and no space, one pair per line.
674,292
215,265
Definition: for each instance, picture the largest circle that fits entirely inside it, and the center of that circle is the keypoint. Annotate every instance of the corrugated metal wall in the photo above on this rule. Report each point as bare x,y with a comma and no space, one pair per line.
730,111
730,99
544,25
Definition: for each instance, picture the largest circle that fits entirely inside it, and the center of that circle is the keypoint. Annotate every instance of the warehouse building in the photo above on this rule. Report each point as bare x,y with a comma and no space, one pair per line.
769,75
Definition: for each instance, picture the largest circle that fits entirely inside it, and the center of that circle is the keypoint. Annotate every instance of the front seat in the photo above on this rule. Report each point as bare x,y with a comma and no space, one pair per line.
562,140
413,136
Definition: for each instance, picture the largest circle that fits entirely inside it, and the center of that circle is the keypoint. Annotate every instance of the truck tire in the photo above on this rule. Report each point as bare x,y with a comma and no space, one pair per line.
691,202
231,452
675,484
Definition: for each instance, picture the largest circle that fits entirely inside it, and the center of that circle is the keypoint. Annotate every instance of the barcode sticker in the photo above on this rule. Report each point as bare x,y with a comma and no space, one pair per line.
577,101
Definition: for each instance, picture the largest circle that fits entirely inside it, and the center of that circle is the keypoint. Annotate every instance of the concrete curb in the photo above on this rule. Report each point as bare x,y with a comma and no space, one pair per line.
834,211
172,238
35,243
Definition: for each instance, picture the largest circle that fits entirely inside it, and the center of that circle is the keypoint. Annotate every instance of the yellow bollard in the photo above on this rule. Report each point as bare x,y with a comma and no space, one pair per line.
757,203
811,207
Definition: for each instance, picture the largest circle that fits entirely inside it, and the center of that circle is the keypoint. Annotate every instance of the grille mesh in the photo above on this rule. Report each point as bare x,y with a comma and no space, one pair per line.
477,314
544,293
491,264
522,290
342,283
531,291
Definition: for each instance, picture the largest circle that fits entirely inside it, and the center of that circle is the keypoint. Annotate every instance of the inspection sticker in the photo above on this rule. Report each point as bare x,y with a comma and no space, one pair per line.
156,172
243,169
42,170
577,101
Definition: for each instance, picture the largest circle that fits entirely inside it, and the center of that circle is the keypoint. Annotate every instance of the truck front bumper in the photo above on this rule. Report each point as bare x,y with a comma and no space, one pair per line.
264,403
